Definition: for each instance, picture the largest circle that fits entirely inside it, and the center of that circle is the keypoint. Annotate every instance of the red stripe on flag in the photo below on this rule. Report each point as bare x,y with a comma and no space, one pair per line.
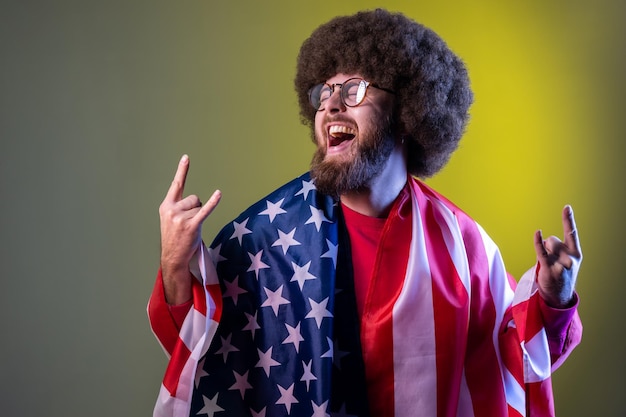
216,295
542,400
482,367
161,320
175,366
513,412
534,319
199,297
510,351
450,311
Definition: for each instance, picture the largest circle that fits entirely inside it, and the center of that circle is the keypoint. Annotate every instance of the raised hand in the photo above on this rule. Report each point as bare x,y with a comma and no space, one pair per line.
559,262
181,233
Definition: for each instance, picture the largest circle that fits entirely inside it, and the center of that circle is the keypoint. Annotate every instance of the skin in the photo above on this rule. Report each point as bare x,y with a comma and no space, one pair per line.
559,262
181,233
182,217
376,200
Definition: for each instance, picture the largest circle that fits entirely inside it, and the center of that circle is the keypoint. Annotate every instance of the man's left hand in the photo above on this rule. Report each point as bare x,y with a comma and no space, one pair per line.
559,262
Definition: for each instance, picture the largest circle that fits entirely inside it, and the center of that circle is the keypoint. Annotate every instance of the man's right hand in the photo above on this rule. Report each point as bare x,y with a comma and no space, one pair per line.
181,233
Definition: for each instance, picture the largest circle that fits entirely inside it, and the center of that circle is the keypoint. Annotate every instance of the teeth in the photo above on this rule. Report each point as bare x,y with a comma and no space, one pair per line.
336,130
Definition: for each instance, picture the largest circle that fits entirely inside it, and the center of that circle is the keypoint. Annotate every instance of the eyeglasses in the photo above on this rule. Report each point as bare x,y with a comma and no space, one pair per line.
352,92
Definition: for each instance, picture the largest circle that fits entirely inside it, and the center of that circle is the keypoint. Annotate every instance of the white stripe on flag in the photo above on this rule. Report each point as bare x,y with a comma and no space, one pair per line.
537,358
196,333
452,236
515,395
414,333
465,408
501,292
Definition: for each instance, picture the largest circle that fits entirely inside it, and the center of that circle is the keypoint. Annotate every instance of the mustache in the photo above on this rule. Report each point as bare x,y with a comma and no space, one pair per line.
328,118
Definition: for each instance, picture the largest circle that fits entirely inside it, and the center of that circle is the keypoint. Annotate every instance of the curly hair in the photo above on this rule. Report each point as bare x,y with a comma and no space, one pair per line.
432,87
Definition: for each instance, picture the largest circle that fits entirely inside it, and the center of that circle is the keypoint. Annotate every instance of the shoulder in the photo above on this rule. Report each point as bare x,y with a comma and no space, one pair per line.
290,201
450,214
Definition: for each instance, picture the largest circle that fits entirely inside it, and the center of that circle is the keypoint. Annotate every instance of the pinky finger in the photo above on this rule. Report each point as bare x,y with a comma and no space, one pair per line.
209,206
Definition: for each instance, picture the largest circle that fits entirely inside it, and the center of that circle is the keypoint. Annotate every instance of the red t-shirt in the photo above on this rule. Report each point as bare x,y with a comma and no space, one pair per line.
364,232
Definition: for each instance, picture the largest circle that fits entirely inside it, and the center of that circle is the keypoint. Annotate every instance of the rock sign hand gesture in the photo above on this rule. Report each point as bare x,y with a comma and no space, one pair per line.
181,233
559,262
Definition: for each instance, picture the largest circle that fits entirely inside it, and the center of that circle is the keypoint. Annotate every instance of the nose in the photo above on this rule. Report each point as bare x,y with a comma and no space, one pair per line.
334,104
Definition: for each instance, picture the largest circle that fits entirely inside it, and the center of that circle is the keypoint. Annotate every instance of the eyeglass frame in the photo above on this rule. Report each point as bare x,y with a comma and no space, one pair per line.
341,90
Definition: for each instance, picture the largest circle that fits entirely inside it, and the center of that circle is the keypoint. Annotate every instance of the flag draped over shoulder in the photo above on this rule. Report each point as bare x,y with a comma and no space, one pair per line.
184,348
443,334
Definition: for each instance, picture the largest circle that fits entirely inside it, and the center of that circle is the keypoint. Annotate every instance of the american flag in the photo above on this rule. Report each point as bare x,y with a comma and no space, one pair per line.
448,335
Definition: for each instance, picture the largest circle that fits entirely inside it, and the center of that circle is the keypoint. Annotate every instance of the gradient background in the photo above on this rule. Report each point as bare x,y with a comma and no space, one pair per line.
98,100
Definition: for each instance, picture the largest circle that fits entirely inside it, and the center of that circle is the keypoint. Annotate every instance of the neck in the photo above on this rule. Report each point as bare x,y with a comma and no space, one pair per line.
376,200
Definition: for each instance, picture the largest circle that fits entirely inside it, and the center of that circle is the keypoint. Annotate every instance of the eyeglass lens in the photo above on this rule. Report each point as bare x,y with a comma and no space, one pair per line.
352,93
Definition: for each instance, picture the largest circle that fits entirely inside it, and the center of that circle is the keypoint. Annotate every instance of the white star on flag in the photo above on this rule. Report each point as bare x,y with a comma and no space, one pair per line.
256,263
273,209
317,217
320,410
338,354
266,361
233,290
306,187
200,372
301,274
226,347
308,376
252,325
294,337
240,230
215,254
285,240
329,353
286,397
318,311
259,414
210,406
274,299
241,383
331,252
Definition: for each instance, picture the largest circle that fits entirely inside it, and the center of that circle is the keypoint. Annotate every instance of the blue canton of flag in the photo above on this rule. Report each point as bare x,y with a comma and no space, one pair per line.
274,352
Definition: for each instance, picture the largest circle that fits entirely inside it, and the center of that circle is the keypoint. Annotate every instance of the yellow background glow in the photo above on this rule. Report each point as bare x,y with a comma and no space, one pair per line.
98,100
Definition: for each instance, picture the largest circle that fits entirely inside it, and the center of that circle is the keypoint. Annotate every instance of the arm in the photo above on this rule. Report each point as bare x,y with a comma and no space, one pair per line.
181,223
185,343
541,327
563,330
167,315
164,322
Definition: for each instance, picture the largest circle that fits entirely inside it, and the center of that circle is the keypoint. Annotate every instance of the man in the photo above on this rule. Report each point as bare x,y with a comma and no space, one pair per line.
356,289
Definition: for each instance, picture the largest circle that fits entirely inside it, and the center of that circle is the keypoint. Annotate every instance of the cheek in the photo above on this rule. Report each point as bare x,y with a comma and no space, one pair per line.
319,134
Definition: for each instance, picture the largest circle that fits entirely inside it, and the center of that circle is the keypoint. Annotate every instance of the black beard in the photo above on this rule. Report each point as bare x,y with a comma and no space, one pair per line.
335,178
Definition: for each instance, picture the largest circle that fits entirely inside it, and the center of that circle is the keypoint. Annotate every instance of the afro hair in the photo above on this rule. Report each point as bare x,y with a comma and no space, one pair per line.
431,84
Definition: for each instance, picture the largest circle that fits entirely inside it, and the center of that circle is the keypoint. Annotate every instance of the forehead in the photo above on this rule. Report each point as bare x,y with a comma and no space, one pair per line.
341,77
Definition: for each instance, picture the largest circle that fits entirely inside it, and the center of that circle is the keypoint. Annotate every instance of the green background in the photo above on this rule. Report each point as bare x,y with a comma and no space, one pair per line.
98,100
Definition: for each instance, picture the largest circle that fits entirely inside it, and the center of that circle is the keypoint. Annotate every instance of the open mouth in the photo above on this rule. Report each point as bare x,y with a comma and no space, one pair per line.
339,134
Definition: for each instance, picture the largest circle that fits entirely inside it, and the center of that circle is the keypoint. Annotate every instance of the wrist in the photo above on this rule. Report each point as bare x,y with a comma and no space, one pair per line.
176,284
558,301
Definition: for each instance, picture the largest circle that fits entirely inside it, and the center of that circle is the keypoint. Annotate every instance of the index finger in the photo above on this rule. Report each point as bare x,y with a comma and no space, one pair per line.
569,229
175,192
